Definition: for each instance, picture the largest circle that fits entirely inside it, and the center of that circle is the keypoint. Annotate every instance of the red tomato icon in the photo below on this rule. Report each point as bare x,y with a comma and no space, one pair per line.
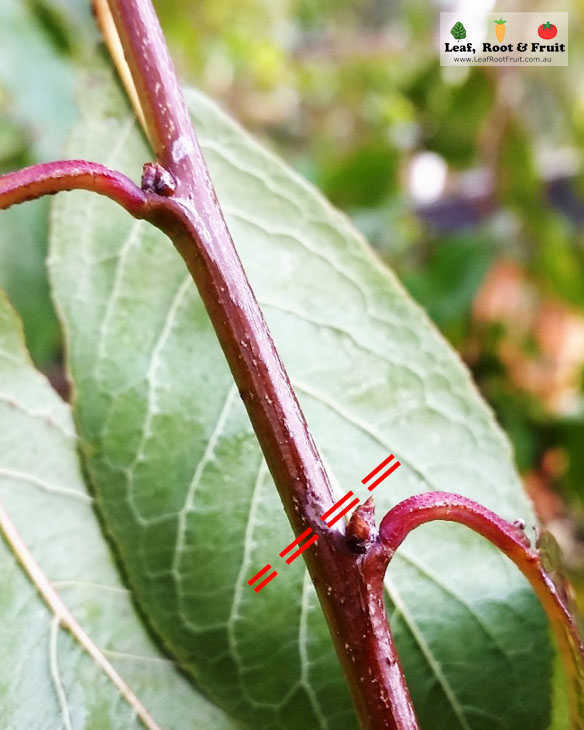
547,31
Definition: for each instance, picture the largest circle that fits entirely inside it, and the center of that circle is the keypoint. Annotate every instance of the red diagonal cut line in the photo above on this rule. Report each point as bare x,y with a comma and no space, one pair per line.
379,467
301,549
295,542
259,574
351,504
336,505
265,581
384,476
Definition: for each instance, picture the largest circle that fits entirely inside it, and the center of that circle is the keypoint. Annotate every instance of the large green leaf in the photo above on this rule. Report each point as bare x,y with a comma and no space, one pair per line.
47,680
181,481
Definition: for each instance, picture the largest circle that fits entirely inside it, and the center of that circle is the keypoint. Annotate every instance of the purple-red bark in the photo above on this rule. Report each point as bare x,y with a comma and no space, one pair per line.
53,177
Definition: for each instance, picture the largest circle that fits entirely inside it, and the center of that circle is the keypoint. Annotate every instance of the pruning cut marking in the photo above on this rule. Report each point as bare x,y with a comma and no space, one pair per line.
259,574
338,510
343,512
377,469
302,548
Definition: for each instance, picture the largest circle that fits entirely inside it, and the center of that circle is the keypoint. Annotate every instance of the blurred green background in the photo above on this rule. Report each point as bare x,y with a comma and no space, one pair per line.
468,182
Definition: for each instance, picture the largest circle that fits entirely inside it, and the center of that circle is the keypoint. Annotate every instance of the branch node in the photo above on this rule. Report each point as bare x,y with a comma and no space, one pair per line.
361,531
157,179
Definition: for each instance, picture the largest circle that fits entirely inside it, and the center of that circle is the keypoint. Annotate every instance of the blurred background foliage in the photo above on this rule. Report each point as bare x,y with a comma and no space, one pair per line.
468,182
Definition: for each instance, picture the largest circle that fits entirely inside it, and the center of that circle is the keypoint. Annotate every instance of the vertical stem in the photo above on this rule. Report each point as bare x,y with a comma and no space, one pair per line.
168,123
194,221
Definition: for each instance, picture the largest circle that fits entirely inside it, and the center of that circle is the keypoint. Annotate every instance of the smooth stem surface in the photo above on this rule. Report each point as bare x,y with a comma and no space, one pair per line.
194,221
53,177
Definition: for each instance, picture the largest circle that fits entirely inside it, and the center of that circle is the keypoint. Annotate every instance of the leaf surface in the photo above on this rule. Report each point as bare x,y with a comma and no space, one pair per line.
47,679
181,480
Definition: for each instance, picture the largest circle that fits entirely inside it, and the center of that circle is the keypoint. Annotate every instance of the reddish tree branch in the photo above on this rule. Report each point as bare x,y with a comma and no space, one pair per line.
53,177
512,541
194,221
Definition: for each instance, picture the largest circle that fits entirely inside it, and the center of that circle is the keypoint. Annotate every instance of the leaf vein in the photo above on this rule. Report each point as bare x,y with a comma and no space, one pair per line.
190,496
302,648
427,653
55,673
41,484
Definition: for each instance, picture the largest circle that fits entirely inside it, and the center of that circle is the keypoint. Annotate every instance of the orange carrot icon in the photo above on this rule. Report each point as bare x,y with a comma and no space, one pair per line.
500,29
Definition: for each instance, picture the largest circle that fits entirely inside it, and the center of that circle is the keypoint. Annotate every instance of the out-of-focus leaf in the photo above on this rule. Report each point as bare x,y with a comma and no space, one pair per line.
518,182
23,232
449,280
37,79
36,85
68,23
453,114
570,434
558,260
556,256
561,704
364,177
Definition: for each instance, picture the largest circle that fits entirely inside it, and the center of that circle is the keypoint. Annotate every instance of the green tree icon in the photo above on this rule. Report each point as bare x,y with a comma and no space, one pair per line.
458,31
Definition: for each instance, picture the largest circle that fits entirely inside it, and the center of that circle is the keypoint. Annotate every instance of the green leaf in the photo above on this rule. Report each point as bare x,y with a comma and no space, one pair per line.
23,275
42,105
463,258
180,479
47,680
451,134
458,31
